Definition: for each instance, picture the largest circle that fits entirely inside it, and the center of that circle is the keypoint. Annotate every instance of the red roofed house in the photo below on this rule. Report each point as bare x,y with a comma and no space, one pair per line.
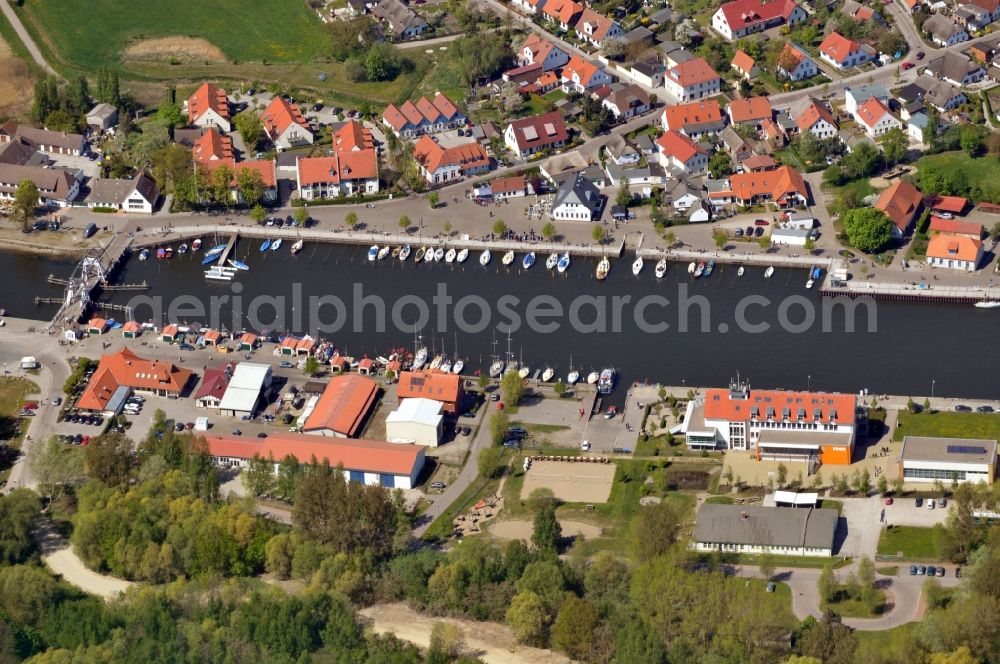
285,125
427,116
439,164
536,50
213,146
774,424
750,111
759,162
784,186
694,79
529,6
343,174
213,386
527,136
353,137
268,177
96,326
817,119
249,341
434,385
680,153
695,119
564,13
208,106
844,53
510,187
169,333
948,204
581,75
343,408
125,369
376,463
740,18
901,202
131,329
595,28
795,64
744,65
875,117
969,229
954,251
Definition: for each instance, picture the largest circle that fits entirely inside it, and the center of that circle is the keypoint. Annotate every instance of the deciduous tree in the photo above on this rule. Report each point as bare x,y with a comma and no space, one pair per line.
25,202
529,619
108,458
868,229
573,630
546,531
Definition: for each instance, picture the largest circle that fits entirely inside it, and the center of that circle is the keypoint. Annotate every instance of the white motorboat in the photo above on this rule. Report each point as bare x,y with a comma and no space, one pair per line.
573,377
769,272
529,260
496,368
420,359
438,254
373,252
144,254
183,249
552,260
987,304
637,265
592,377
457,367
446,366
196,245
809,283
462,256
276,245
524,371
484,258
548,374
739,272
383,252
603,268
404,253
450,256
661,268
508,258
297,247
563,263
692,266
606,381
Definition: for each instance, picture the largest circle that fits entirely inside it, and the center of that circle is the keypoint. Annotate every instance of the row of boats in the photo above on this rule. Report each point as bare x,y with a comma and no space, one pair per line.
168,252
453,255
275,244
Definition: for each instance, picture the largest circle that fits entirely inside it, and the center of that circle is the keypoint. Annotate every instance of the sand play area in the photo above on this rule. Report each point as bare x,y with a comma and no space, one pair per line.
522,529
571,481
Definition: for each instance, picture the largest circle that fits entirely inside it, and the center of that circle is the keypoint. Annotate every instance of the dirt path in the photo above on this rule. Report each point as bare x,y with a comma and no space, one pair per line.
492,642
62,560
22,33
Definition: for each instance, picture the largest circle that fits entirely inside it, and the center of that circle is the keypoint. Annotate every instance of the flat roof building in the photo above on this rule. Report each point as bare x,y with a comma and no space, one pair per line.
419,421
926,459
786,531
243,394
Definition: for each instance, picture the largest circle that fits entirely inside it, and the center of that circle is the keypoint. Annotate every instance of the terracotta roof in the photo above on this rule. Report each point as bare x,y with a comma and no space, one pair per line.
813,113
504,185
743,62
267,170
353,136
600,24
170,330
212,335
870,112
758,162
695,113
675,144
954,247
692,72
790,51
432,156
562,10
127,368
394,117
776,184
901,203
538,47
97,323
424,111
361,455
360,165
212,146
205,97
955,226
742,13
344,405
131,326
248,338
838,47
584,70
750,109
539,130
280,115
429,385
215,382
952,204
718,405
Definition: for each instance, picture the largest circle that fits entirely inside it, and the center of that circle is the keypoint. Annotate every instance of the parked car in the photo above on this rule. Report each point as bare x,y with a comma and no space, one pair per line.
920,55
918,502
961,408
585,446
466,431
494,397
913,570
738,232
940,572
985,409
56,401
907,65
761,222
262,435
438,485
179,426
931,570
931,504
921,570
942,502
758,232
749,231
187,347
285,364
517,431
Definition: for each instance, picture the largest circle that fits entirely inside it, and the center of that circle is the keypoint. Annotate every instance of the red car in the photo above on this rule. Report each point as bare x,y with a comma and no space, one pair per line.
31,405
907,65
760,222
888,500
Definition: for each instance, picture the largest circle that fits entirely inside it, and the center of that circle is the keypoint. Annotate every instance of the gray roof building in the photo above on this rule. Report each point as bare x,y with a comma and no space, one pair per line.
113,192
955,68
768,527
954,450
577,198
103,116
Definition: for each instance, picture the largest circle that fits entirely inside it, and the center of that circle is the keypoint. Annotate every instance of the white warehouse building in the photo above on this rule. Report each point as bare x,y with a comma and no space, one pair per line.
787,531
242,395
926,459
416,420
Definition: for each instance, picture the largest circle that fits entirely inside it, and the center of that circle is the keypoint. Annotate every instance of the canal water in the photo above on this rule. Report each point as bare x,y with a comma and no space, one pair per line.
773,332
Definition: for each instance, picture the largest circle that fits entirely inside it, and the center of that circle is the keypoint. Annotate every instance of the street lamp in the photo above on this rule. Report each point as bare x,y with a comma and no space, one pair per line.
809,380
932,388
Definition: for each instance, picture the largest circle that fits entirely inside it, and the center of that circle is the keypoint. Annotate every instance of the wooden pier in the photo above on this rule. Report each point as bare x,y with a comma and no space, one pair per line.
59,281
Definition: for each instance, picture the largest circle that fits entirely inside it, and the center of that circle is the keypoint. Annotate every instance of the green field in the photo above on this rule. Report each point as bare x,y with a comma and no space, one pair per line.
948,425
983,172
12,395
95,34
913,542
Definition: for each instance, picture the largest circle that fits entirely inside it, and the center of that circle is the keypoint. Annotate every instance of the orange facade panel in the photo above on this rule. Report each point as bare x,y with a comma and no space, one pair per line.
835,455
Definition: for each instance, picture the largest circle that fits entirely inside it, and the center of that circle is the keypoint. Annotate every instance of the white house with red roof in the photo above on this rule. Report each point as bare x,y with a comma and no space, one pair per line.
744,65
795,64
957,252
343,174
817,119
594,28
536,50
783,186
564,13
528,6
208,106
440,165
527,136
285,125
740,18
691,80
680,153
844,53
876,118
749,111
696,119
352,136
815,427
268,177
426,116
580,75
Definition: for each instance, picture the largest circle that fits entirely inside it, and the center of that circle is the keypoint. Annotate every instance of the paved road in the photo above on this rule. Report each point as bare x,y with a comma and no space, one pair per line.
22,33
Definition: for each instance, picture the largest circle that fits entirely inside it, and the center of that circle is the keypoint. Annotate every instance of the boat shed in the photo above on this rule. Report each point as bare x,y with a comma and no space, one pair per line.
418,420
343,408
248,383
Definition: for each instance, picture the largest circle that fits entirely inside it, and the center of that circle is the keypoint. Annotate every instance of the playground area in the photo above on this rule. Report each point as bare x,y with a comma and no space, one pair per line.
583,480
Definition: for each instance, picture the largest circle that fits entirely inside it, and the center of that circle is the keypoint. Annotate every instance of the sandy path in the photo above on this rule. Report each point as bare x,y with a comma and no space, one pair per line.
492,642
62,560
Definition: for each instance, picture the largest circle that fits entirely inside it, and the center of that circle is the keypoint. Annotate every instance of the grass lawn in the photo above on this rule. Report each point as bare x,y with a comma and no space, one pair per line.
445,74
540,428
832,505
848,604
983,171
271,30
778,561
12,393
657,446
719,500
913,542
888,571
948,424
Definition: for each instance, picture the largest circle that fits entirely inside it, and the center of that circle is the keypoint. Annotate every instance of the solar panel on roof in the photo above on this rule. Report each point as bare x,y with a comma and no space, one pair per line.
966,449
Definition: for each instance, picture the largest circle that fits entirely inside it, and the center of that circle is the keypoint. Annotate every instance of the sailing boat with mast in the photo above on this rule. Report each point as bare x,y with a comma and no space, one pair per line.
574,375
497,367
458,364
